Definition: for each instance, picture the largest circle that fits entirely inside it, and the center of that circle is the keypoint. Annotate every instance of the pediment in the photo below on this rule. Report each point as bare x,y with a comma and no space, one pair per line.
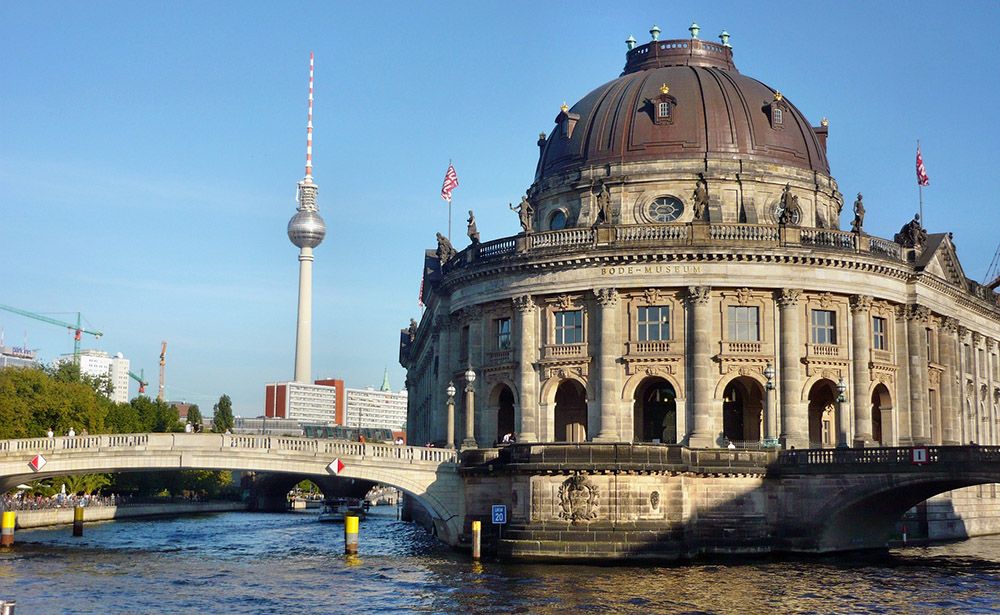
940,259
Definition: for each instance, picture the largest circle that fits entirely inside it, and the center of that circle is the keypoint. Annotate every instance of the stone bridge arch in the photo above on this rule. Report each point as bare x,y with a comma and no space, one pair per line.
428,475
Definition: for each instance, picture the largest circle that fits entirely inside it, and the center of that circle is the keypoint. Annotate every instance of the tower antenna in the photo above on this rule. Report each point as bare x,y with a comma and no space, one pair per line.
309,125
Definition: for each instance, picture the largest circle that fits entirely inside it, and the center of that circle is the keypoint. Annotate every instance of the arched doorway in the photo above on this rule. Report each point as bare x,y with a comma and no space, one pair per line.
571,412
881,415
655,412
823,414
742,410
505,412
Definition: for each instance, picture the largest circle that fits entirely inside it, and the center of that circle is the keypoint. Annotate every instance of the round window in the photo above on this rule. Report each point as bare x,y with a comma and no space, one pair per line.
792,218
558,221
666,209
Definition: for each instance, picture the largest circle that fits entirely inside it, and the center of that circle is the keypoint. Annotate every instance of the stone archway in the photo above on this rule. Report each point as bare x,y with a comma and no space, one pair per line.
505,412
882,416
742,410
655,412
570,412
823,414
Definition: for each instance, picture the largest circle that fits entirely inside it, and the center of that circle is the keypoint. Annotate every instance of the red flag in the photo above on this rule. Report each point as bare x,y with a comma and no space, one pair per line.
450,183
420,295
922,179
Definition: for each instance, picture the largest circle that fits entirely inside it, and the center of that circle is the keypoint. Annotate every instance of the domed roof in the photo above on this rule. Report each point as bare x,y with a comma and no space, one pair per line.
715,113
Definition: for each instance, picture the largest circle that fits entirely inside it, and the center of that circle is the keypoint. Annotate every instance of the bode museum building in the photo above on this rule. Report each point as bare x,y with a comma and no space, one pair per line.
688,272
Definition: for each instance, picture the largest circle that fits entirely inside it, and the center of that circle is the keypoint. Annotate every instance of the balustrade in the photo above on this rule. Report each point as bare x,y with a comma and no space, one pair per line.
559,351
655,347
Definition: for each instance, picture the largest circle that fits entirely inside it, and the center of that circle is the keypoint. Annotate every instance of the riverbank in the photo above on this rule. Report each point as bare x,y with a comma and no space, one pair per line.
64,516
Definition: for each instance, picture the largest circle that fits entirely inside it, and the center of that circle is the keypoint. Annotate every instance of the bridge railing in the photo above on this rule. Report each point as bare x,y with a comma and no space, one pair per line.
228,441
889,455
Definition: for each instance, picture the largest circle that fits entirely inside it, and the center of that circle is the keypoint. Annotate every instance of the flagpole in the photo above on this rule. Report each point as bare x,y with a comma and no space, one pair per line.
449,207
920,190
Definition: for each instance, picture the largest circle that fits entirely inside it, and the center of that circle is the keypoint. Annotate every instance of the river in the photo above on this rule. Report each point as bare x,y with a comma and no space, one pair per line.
290,563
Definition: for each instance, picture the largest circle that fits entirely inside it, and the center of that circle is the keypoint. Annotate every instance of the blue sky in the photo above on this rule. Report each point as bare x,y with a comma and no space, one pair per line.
149,153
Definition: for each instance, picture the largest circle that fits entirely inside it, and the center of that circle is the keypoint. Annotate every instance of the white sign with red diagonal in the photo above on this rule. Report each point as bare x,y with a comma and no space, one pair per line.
37,463
336,467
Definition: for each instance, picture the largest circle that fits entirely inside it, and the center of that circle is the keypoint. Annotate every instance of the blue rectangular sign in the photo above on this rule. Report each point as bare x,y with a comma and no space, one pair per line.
499,514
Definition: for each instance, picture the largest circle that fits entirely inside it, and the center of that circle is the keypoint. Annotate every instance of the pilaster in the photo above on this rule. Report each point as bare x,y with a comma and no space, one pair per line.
794,417
916,322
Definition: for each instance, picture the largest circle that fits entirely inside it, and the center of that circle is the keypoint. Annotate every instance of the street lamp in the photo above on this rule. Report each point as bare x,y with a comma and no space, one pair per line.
842,422
768,410
451,414
470,406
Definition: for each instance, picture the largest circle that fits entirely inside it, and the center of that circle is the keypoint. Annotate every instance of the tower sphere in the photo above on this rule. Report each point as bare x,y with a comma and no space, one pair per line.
306,229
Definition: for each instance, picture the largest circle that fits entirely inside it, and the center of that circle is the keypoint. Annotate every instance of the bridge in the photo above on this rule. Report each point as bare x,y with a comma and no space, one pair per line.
428,475
564,498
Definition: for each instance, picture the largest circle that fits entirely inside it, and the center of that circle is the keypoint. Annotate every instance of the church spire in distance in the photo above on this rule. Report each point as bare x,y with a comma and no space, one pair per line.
306,230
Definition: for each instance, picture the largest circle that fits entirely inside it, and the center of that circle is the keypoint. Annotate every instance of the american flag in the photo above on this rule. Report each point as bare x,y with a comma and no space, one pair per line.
450,183
922,179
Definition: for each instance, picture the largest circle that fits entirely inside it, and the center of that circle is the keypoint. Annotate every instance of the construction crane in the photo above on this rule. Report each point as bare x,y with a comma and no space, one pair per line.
163,363
140,379
78,329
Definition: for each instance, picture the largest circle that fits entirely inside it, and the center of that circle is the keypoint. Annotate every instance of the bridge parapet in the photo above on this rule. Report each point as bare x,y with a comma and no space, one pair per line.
884,459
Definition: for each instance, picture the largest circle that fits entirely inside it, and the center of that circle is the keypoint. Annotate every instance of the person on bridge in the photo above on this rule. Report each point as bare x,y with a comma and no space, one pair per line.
50,433
71,433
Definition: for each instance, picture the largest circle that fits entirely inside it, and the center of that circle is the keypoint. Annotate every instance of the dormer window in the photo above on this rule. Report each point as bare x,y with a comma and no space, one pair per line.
775,110
566,121
663,106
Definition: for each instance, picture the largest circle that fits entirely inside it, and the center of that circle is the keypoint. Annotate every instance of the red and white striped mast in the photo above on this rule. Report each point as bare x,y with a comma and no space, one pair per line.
306,230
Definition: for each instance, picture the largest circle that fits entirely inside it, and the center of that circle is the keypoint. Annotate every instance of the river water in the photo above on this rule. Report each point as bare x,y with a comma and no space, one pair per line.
290,563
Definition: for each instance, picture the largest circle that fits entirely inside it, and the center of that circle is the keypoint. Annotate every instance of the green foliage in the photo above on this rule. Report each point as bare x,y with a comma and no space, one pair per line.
194,415
83,483
156,415
32,400
223,420
307,486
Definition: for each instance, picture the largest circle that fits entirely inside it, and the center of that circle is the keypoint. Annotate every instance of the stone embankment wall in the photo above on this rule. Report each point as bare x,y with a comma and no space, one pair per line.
64,516
963,513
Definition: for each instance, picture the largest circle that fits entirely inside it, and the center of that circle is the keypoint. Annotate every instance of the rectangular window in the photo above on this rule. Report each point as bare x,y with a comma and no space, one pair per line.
777,116
824,327
664,110
654,323
744,324
569,327
878,334
503,333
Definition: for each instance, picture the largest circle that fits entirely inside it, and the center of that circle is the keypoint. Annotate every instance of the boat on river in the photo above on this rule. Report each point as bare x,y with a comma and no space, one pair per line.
334,511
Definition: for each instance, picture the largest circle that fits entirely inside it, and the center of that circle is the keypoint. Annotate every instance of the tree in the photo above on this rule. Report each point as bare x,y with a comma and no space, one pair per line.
194,415
223,420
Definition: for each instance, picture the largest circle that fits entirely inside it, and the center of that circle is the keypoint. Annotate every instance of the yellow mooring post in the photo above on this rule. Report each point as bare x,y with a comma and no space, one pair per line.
351,535
7,529
78,521
477,533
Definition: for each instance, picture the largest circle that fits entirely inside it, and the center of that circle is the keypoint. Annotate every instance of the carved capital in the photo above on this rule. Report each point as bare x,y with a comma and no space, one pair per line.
860,303
788,297
976,338
699,295
442,321
918,314
607,297
990,344
950,324
471,314
523,303
962,332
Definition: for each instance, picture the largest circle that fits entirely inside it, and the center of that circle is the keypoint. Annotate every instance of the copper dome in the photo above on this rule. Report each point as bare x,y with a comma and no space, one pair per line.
717,114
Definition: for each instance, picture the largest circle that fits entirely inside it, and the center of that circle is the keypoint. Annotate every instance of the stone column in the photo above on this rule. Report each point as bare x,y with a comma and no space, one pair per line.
699,341
990,388
861,376
473,317
901,396
794,413
607,364
961,394
442,323
916,339
949,413
525,378
977,428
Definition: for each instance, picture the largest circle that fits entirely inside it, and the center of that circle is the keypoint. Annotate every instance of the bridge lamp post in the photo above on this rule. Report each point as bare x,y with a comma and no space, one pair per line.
451,414
470,407
768,398
842,422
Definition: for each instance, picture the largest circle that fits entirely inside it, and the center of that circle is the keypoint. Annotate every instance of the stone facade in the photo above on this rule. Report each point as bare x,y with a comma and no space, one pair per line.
704,296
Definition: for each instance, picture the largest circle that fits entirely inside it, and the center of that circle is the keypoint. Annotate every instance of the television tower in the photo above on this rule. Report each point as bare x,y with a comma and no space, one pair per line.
306,230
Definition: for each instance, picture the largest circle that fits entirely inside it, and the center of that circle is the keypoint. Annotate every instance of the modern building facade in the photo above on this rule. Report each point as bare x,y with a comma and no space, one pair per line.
383,408
682,277
98,364
14,356
321,402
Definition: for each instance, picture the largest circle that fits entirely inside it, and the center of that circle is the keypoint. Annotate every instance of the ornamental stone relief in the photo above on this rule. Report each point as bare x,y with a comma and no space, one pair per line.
860,303
607,297
950,324
523,303
652,296
743,296
578,499
654,500
825,300
699,294
564,302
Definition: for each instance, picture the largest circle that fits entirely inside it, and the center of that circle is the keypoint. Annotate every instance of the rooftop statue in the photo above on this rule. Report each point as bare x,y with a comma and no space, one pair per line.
524,211
603,201
412,330
912,235
472,231
445,251
700,198
859,216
